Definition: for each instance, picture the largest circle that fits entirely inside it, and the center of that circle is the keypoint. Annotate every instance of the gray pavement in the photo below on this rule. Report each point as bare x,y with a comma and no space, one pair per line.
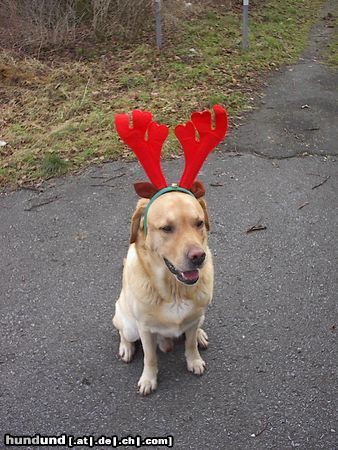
271,377
298,112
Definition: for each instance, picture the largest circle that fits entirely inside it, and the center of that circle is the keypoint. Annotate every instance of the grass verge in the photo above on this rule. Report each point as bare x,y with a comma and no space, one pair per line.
58,113
331,52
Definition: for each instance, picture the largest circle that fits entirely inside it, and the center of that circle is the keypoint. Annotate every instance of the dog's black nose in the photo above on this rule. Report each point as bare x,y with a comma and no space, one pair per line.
196,256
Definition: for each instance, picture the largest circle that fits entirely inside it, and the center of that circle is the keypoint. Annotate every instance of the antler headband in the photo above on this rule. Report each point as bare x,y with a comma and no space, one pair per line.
146,139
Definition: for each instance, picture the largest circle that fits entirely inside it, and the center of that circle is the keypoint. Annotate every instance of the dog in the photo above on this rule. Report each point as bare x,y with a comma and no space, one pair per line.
167,283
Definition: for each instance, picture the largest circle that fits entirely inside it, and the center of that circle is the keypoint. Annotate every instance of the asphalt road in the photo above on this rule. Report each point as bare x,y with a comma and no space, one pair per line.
271,376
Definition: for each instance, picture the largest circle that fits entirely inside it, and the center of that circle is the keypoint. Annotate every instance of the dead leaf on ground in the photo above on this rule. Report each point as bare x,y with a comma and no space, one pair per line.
81,235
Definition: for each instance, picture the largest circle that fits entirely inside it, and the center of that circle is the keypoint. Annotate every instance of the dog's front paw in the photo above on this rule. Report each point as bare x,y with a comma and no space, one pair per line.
202,338
196,366
126,351
146,386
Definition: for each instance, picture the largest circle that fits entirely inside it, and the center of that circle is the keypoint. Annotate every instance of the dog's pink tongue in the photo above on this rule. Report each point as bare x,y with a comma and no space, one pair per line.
190,275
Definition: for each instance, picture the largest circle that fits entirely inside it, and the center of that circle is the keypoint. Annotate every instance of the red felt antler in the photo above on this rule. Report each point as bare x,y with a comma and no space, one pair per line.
196,151
148,151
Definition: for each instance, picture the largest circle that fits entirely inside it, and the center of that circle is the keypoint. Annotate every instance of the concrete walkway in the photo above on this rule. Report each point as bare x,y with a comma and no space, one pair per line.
272,360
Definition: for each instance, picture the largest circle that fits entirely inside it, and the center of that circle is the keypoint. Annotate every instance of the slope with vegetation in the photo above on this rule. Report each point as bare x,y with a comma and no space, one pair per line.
62,83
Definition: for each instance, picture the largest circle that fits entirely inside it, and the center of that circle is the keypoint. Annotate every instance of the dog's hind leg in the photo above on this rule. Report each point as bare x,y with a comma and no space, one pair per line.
126,348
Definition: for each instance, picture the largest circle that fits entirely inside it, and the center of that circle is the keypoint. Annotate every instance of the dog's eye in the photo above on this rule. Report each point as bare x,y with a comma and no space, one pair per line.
199,224
167,228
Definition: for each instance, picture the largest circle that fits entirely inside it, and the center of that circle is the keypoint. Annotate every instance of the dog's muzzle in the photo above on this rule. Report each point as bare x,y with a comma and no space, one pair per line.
188,277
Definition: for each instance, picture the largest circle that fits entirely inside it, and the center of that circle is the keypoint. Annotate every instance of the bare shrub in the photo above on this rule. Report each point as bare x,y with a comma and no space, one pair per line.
26,23
126,18
100,13
134,14
37,22
177,11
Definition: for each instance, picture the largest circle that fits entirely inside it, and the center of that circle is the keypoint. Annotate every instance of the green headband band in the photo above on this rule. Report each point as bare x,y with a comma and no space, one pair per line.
172,188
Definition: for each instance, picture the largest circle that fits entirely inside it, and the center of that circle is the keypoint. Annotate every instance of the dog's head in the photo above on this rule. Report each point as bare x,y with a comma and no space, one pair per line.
176,234
174,229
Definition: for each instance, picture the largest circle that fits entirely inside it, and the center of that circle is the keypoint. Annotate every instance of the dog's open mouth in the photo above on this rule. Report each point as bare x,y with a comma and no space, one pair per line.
187,277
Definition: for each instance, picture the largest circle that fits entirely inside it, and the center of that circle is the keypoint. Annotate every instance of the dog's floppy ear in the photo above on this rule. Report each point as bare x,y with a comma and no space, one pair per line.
145,190
202,202
198,189
136,219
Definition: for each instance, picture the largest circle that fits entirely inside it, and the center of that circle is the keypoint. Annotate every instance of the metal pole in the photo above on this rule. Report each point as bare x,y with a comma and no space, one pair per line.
158,7
245,24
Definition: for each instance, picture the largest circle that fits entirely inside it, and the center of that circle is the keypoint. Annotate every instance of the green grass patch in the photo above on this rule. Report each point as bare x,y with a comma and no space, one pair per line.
53,165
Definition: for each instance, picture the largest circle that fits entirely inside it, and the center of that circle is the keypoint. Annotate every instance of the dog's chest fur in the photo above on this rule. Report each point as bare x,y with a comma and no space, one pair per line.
173,319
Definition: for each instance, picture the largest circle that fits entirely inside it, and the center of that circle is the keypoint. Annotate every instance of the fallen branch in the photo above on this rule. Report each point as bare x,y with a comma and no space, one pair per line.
44,202
102,185
302,205
262,430
257,227
115,176
321,184
31,188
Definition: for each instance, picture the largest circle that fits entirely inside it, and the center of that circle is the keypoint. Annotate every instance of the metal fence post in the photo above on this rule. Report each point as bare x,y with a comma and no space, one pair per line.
158,8
245,24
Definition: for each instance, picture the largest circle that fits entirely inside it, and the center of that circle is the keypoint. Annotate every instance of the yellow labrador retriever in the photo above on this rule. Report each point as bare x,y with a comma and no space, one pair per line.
168,272
167,283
